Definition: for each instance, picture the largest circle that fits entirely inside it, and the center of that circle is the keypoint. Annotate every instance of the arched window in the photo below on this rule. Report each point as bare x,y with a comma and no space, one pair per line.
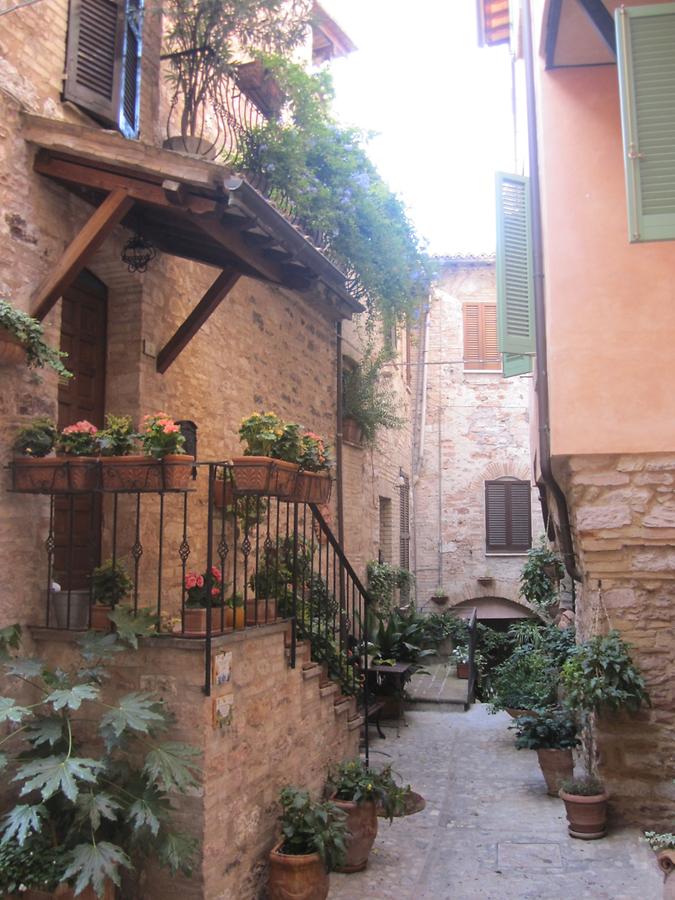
508,516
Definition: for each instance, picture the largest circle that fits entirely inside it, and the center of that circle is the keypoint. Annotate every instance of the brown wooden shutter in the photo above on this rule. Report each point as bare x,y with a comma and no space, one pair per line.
508,525
480,337
94,57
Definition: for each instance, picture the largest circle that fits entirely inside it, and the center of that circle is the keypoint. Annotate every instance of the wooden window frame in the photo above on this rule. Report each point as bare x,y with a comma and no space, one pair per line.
483,362
509,546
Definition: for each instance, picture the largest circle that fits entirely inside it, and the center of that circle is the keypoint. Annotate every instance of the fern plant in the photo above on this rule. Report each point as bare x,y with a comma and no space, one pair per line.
103,805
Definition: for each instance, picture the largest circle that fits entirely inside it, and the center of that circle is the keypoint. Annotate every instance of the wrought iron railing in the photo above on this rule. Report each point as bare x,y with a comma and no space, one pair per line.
205,561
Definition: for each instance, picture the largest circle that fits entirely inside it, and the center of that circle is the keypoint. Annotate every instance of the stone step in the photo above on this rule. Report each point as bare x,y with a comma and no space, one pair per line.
343,705
311,670
328,688
354,722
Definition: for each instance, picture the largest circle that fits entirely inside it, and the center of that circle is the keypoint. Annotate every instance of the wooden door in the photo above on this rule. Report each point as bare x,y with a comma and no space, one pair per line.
77,519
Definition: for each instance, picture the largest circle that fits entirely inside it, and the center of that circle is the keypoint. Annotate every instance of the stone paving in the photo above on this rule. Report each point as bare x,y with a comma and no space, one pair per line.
440,685
489,830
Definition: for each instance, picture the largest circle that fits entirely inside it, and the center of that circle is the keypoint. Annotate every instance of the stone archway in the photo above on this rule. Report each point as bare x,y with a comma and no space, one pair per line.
490,607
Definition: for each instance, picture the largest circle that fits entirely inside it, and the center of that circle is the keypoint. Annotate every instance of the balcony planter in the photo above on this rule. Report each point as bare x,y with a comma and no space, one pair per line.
555,765
235,618
314,487
223,493
260,86
12,351
284,480
79,609
362,828
266,610
303,877
265,475
351,431
587,815
55,474
146,473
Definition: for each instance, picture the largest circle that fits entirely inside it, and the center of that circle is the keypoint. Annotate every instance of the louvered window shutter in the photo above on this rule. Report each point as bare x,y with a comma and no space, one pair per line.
103,60
515,280
646,66
491,358
516,365
480,337
508,524
471,335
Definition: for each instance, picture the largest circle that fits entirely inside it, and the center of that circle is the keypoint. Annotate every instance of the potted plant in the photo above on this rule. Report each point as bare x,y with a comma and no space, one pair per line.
598,678
34,470
367,400
663,844
440,596
77,443
22,340
166,466
268,465
313,842
314,481
269,584
553,734
526,681
541,576
383,580
96,781
202,593
461,657
358,792
120,470
110,585
235,616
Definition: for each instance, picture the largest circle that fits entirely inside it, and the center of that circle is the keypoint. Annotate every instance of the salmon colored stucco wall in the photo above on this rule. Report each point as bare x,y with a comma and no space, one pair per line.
610,304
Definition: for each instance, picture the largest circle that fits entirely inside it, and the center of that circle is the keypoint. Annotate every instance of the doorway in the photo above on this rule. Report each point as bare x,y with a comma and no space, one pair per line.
77,518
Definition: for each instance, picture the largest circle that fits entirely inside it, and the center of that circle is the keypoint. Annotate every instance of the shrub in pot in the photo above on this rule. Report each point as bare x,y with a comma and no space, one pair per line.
540,577
367,399
598,678
77,444
313,842
110,584
553,734
96,780
527,680
314,482
33,468
269,464
359,791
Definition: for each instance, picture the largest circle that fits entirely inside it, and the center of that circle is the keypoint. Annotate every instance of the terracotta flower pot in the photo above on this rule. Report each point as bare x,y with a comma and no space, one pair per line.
252,474
666,861
194,621
12,351
587,815
516,713
314,487
297,877
440,598
351,431
99,620
234,618
223,493
412,803
463,670
362,828
266,611
555,765
284,480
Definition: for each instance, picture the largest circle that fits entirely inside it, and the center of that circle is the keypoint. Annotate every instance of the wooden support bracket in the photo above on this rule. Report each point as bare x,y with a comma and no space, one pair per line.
75,257
207,305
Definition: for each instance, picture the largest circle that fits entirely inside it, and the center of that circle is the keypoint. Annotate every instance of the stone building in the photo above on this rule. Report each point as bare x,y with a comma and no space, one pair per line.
476,512
238,311
595,222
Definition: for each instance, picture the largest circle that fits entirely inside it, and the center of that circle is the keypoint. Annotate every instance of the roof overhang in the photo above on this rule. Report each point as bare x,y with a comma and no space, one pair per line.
328,39
578,33
187,206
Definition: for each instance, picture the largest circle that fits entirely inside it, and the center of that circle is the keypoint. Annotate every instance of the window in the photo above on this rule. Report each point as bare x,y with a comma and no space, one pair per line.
646,66
508,525
386,529
480,337
103,61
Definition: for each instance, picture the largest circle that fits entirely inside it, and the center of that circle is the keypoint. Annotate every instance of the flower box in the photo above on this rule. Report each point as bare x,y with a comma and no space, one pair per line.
314,487
265,475
145,473
55,474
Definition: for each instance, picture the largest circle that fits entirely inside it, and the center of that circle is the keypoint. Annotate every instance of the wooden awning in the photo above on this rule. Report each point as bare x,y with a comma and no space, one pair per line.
187,207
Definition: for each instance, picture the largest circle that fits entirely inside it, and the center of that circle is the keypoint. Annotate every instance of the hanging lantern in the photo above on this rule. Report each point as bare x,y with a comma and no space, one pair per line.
138,253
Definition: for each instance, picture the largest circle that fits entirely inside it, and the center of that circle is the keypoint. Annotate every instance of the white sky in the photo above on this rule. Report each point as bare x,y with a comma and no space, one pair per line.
441,107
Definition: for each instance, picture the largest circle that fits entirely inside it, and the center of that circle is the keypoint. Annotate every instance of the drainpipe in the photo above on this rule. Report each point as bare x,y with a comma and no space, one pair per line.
565,531
421,410
338,436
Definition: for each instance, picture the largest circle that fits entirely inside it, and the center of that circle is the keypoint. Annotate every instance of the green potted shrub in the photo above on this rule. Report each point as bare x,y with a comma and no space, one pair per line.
358,792
110,585
166,466
314,481
33,468
524,682
368,404
96,779
22,341
598,678
121,470
553,734
313,842
77,444
440,596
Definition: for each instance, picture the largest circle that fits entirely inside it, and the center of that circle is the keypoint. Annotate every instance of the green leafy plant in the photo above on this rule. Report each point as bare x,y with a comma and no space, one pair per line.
110,583
540,576
36,439
287,444
35,865
554,729
398,637
582,787
260,431
161,436
78,439
353,781
323,171
30,333
102,805
367,399
313,455
311,826
526,680
383,579
118,437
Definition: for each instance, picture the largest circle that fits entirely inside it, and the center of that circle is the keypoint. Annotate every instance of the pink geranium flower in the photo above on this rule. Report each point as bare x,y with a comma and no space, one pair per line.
190,580
200,581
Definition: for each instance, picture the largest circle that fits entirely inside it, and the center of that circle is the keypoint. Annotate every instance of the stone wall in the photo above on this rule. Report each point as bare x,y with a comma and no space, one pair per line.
475,429
623,515
283,728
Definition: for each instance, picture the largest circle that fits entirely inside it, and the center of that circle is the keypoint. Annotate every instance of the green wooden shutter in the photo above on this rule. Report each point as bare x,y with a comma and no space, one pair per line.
646,66
515,365
515,281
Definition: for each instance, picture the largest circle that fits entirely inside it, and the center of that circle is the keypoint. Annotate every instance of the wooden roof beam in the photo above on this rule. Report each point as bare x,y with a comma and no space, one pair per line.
80,250
211,300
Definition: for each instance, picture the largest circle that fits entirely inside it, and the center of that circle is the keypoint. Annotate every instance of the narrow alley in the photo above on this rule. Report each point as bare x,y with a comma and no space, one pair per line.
489,829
